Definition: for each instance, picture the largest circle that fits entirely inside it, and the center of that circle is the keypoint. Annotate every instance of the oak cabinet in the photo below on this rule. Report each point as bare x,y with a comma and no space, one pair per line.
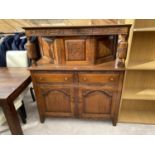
78,70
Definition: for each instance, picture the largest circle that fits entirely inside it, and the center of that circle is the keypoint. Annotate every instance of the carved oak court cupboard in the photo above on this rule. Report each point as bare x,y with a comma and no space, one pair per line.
77,71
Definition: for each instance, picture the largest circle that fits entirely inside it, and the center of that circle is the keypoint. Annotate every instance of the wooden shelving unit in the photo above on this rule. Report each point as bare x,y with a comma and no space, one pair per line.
142,65
148,29
137,111
142,52
138,95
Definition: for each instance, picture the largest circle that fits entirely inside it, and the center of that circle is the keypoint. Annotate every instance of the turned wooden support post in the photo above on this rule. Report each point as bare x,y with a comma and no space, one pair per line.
32,53
121,51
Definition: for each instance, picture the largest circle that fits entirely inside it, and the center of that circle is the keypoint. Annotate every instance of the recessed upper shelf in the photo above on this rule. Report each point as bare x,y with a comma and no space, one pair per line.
144,29
139,94
142,65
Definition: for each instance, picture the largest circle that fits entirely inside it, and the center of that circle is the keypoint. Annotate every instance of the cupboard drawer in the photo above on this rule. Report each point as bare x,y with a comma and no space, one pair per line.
98,78
62,78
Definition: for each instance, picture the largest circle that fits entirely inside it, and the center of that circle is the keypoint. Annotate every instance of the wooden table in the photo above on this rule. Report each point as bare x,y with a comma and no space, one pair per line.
12,82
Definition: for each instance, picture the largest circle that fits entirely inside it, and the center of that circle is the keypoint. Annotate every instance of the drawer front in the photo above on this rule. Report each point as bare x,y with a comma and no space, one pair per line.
58,78
98,78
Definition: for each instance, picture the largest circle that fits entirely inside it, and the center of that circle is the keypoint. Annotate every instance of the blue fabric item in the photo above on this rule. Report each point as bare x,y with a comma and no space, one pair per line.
13,43
8,41
22,44
17,41
4,46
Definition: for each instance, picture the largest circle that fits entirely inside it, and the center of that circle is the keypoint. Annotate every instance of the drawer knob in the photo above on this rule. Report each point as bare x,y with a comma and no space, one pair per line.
66,78
111,79
40,78
84,78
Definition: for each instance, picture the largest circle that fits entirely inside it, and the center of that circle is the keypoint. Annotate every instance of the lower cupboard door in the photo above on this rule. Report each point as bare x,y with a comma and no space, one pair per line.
57,100
95,103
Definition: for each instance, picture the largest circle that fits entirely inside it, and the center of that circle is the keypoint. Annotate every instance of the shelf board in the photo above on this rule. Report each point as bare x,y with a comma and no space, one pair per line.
137,111
137,116
139,94
142,65
144,29
99,67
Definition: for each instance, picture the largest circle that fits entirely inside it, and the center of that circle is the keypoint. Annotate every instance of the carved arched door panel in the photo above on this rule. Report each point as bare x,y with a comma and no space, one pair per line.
95,103
58,100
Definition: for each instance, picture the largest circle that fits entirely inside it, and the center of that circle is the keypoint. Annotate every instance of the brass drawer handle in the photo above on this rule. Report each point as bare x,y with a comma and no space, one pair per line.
66,78
40,78
84,78
111,79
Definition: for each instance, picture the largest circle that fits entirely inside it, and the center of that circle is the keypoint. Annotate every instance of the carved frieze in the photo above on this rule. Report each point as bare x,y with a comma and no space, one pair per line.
77,31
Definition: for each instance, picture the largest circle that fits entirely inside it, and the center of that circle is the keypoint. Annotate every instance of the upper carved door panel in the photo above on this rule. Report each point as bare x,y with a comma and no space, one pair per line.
77,50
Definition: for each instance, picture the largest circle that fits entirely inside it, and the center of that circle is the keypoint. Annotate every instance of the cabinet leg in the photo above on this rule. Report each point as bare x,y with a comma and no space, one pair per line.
42,119
114,121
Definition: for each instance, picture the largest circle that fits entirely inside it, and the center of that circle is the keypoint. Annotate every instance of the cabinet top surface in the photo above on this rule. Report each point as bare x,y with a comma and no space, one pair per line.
109,66
74,26
77,30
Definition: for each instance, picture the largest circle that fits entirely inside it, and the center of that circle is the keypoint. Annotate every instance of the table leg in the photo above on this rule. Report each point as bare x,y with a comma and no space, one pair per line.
12,118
